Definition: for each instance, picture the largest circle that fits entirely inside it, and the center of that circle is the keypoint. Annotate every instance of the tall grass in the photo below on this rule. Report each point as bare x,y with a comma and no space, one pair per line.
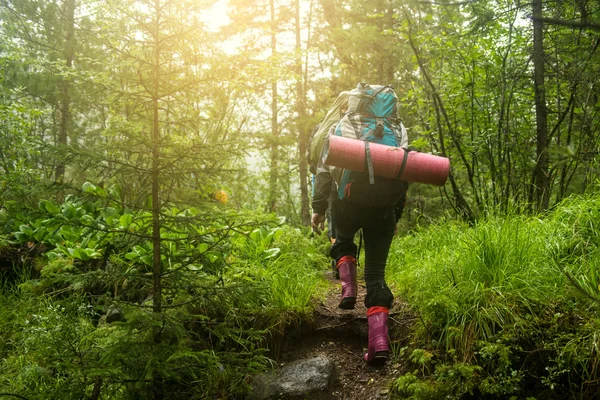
283,269
508,286
575,244
470,282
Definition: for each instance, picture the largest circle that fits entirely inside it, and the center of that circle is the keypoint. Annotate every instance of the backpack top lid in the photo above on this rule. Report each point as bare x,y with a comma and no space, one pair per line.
373,100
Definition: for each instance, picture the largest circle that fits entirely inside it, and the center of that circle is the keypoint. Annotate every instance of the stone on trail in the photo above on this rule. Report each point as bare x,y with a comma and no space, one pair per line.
299,379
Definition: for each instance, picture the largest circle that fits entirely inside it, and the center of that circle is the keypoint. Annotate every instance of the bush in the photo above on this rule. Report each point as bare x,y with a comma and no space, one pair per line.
232,285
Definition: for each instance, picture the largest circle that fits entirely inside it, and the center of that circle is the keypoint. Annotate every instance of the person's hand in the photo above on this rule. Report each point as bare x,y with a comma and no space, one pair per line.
318,222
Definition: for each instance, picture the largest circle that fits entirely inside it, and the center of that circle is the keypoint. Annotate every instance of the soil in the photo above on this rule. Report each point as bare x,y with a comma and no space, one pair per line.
341,335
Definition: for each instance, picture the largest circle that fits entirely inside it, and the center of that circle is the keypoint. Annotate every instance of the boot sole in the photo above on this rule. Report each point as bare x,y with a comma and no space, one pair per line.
347,303
380,358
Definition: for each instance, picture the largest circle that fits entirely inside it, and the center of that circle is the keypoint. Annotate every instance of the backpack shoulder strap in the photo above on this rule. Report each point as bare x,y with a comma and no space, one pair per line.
369,162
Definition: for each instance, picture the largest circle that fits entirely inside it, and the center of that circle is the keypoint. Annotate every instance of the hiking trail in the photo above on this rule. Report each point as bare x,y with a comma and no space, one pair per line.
341,335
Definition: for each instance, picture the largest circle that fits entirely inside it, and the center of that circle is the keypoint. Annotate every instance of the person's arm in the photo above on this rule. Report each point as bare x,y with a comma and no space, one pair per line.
320,202
323,182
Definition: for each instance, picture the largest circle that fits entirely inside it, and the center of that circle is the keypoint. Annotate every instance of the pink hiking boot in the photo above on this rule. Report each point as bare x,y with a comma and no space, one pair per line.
347,268
379,348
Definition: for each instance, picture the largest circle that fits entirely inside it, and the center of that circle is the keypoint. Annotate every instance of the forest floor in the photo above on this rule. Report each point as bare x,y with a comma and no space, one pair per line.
341,335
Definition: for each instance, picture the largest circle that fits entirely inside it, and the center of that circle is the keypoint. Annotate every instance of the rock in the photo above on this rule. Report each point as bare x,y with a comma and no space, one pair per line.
299,379
114,314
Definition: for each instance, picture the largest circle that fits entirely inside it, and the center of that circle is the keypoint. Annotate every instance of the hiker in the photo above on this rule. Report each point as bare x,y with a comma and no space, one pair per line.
366,202
379,225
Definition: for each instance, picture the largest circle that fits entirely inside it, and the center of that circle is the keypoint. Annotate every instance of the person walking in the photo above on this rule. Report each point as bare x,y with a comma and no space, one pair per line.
362,200
378,224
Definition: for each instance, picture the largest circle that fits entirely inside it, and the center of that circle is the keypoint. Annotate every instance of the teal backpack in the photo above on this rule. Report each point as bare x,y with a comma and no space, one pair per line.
372,116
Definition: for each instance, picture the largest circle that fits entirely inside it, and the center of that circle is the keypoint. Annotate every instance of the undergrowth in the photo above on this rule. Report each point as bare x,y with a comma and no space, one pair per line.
506,308
77,317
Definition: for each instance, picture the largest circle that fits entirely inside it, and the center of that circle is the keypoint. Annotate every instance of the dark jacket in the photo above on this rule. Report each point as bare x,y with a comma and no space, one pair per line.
322,190
323,187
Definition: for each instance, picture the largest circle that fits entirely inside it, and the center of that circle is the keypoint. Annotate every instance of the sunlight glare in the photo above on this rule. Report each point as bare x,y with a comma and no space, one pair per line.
216,16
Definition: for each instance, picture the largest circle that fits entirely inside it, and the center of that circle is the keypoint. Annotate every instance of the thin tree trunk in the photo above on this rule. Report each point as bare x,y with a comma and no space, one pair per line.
380,67
391,59
64,85
301,124
333,16
273,176
156,240
541,185
443,119
157,288
96,391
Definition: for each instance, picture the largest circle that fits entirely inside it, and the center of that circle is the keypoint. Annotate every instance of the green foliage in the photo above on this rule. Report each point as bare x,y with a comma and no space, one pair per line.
55,351
448,382
477,280
234,283
515,297
20,181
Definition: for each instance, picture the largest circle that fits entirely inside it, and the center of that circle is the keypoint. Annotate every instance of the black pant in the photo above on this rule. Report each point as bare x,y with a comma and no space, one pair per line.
378,225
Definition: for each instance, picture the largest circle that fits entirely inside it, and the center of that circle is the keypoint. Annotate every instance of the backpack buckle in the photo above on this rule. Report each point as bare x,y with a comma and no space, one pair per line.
378,128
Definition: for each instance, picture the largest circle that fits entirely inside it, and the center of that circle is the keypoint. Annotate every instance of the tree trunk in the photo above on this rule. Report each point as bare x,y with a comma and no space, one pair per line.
541,179
96,391
156,239
273,175
301,124
64,85
333,16
391,60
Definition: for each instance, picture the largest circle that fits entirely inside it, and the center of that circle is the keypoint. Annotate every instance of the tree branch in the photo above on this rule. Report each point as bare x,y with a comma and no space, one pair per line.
569,23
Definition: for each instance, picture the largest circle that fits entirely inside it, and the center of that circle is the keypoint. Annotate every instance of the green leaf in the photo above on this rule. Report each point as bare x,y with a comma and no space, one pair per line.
93,253
40,234
256,235
50,207
203,247
88,187
69,211
78,253
88,220
125,220
271,253
21,237
26,229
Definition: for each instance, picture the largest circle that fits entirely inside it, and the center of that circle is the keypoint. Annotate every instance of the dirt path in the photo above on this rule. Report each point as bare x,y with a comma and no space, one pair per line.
342,336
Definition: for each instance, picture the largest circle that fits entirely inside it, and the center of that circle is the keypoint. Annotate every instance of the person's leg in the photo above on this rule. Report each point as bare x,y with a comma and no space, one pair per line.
346,224
330,217
378,234
344,251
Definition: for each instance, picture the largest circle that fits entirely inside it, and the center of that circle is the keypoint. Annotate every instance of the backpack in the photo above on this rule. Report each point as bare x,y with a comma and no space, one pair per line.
321,131
372,116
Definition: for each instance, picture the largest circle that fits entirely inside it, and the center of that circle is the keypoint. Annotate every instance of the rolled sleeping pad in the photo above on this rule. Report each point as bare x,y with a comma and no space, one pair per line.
388,161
